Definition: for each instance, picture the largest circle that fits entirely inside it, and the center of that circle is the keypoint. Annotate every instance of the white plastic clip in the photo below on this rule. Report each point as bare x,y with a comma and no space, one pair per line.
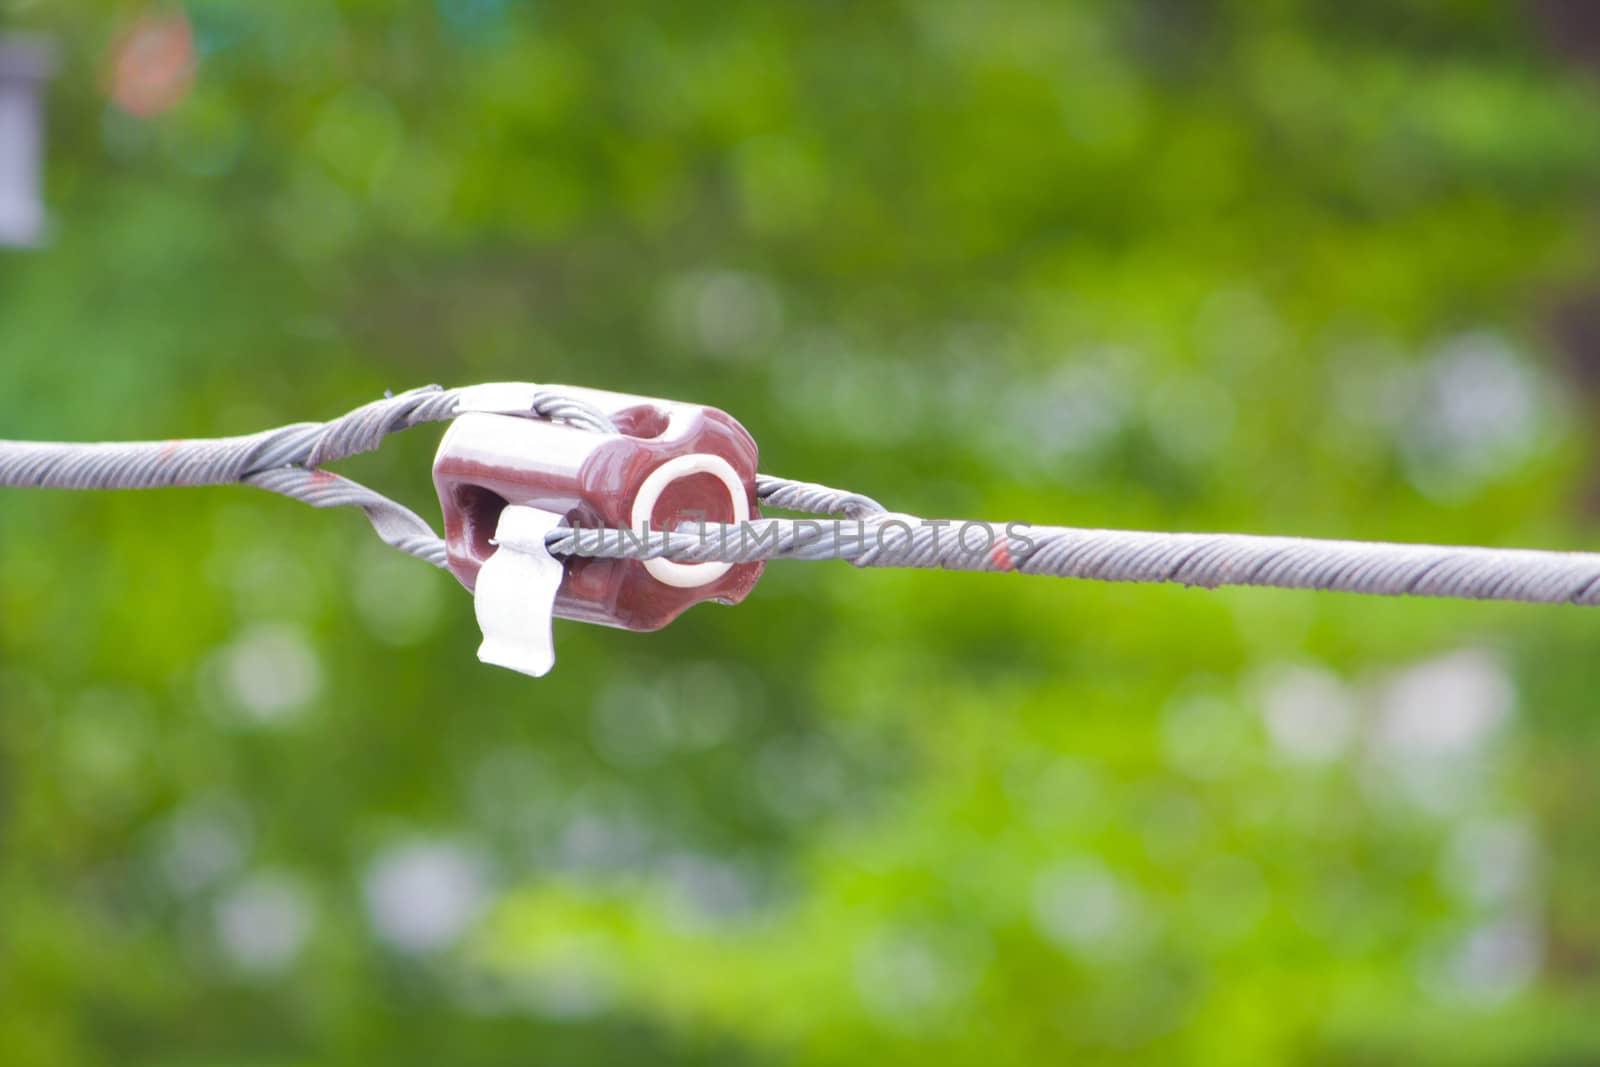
515,597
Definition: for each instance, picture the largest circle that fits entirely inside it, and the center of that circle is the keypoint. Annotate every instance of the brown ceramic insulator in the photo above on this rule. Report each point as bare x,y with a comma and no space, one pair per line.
488,461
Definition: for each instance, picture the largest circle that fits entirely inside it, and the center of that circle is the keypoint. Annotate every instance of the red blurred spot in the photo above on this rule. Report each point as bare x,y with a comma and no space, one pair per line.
321,478
1001,555
152,64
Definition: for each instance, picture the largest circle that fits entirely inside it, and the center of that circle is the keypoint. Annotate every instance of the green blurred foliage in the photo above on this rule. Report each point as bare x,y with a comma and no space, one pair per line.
1175,264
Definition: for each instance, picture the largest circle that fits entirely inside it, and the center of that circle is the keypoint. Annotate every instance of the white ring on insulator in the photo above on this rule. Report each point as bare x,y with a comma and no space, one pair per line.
670,572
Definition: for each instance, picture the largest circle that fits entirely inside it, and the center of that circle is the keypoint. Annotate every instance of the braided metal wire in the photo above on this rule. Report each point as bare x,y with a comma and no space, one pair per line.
286,460
217,461
814,498
1209,561
283,460
396,524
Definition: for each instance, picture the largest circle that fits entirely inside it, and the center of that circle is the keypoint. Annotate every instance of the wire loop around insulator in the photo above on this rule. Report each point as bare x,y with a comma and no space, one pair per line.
286,460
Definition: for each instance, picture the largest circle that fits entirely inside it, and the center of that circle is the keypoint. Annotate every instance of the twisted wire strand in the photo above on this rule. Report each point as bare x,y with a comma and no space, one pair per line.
286,460
217,461
396,524
889,539
811,497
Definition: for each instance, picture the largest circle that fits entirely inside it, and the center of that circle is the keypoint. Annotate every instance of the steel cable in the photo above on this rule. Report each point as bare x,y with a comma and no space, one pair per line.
287,460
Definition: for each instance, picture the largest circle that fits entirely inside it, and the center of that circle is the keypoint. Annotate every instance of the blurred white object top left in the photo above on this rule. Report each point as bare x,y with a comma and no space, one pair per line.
25,64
